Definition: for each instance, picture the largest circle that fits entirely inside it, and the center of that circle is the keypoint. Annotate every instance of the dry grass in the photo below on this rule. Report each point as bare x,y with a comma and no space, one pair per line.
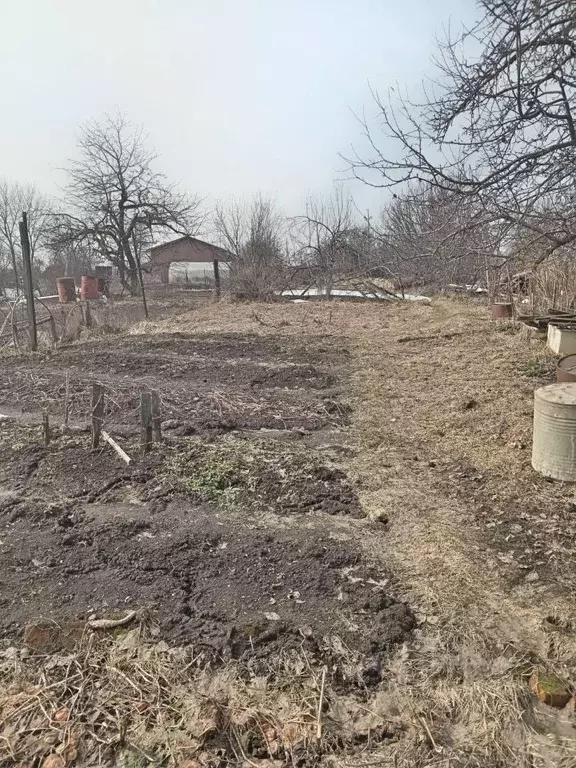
448,403
130,701
441,396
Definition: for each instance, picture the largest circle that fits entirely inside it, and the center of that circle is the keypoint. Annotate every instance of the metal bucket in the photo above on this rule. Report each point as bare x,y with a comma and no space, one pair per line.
501,310
554,439
88,287
566,369
66,290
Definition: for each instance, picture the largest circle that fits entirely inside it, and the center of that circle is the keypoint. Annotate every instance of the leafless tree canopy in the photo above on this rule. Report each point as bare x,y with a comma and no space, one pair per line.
429,236
498,122
254,235
322,232
119,203
14,199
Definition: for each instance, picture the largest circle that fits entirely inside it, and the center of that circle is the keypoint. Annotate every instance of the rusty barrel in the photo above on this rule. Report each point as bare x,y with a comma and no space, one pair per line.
566,369
88,287
66,290
501,310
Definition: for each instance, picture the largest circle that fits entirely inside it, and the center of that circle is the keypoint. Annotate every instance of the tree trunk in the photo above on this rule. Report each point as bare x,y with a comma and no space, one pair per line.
15,270
133,285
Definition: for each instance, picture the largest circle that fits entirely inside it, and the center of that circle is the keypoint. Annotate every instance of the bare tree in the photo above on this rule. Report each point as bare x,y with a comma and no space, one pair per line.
72,259
434,237
323,236
497,124
119,203
14,199
254,234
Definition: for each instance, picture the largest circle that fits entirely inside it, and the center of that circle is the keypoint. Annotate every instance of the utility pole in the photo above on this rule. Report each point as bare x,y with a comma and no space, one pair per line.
28,287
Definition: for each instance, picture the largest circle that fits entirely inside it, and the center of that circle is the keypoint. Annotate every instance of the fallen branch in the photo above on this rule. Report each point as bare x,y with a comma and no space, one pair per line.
320,705
112,623
123,455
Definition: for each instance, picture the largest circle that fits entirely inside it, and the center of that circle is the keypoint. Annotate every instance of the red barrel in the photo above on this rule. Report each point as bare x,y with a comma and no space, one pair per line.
66,290
501,309
88,287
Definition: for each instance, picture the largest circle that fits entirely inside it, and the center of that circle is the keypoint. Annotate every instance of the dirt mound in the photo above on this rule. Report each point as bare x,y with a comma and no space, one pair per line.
210,582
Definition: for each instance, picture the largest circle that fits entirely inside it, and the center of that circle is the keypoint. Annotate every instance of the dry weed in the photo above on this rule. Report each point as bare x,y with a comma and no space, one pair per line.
127,701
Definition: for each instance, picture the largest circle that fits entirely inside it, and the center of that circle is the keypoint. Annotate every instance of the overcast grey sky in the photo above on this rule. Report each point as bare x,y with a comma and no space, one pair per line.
238,96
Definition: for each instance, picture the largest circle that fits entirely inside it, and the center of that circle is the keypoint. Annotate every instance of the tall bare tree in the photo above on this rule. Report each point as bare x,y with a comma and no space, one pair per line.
254,235
498,122
434,237
118,202
329,239
14,199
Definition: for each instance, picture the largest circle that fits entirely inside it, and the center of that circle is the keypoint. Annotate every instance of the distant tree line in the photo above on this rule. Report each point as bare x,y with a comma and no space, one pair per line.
477,174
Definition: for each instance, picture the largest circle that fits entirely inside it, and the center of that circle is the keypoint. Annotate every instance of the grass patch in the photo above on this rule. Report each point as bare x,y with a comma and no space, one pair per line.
267,475
538,368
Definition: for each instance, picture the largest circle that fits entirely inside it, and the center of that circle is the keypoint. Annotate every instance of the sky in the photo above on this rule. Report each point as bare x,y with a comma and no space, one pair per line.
238,97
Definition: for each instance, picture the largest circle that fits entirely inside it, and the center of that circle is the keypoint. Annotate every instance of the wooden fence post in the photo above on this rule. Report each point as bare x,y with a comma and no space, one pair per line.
146,421
97,413
156,416
46,428
216,278
28,286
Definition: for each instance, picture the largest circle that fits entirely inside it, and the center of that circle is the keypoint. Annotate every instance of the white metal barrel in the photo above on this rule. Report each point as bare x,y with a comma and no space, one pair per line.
554,440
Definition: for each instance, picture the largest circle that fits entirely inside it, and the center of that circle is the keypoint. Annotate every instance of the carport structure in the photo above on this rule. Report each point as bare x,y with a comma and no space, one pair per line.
188,249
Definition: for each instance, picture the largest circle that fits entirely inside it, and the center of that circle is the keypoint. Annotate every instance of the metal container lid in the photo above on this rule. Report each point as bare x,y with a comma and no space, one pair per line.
567,363
561,394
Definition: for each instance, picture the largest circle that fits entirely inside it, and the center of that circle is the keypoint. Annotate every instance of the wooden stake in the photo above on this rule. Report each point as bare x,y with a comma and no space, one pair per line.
320,705
123,455
217,278
67,402
46,428
28,287
146,421
97,413
156,416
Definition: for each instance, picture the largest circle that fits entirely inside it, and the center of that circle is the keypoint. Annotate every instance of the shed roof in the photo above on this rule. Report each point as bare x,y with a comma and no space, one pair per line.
160,254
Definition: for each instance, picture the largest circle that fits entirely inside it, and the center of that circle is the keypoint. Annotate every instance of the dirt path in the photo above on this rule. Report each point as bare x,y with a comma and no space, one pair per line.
480,615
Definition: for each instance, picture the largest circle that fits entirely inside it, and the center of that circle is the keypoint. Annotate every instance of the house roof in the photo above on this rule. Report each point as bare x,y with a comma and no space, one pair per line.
221,253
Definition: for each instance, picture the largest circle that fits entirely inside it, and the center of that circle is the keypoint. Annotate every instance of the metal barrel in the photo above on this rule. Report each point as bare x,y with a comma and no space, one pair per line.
66,290
566,369
501,310
554,438
88,287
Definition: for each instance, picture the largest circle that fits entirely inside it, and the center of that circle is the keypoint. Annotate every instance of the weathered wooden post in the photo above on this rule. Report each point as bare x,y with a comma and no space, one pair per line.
97,413
146,421
217,278
28,286
156,416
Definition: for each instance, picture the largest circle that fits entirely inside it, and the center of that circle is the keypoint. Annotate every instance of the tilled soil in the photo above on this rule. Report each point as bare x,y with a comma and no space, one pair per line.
205,383
207,580
181,535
